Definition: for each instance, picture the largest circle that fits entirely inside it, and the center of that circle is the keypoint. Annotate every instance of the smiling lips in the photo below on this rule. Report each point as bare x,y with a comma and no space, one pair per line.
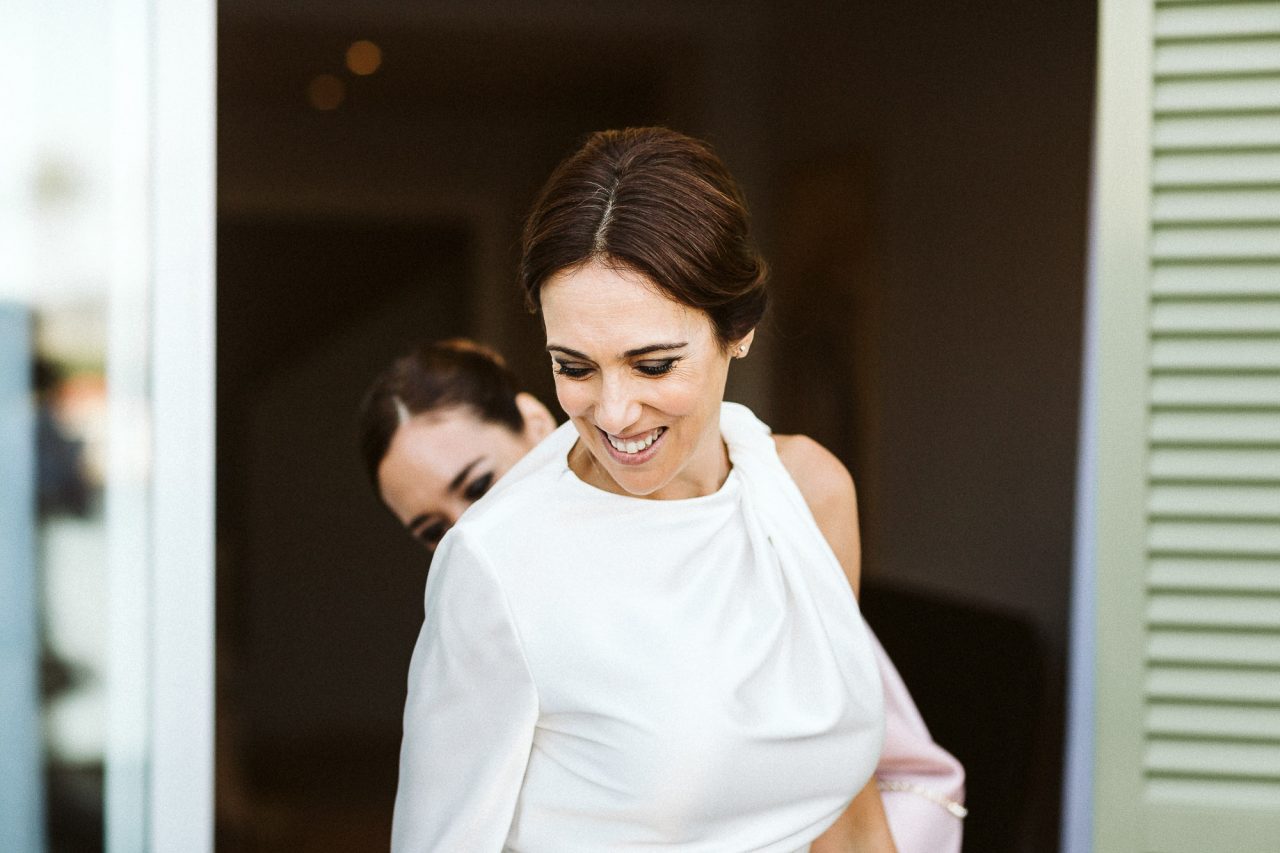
633,450
635,445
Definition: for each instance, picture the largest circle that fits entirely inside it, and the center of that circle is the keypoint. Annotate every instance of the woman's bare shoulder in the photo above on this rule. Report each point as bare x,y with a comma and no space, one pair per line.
822,478
828,489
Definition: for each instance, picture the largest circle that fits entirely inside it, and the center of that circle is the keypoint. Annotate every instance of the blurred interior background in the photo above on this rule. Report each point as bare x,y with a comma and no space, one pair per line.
918,175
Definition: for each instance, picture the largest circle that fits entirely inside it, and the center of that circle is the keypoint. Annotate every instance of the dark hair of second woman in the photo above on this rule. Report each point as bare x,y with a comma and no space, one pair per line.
659,203
433,377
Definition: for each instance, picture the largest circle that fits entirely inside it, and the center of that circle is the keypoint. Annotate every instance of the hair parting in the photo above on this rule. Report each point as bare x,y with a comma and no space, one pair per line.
658,203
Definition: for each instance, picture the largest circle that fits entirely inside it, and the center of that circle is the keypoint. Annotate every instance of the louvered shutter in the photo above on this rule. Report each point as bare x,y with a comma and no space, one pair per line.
1188,480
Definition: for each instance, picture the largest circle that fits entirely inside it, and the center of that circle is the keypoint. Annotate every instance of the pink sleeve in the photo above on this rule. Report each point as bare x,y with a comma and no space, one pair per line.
922,784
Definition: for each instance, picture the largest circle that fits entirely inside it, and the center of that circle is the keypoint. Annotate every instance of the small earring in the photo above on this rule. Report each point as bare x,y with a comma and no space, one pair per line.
742,351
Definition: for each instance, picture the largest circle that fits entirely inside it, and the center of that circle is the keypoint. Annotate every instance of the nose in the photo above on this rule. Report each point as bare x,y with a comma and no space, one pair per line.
618,409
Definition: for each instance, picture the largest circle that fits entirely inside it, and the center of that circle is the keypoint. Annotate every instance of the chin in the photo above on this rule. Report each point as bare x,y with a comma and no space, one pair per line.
632,481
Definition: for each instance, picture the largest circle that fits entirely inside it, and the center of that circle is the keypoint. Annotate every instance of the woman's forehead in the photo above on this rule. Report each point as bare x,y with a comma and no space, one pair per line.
614,311
444,433
428,447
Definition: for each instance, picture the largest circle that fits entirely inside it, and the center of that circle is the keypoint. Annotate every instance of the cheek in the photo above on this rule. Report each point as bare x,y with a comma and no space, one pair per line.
683,397
513,451
574,396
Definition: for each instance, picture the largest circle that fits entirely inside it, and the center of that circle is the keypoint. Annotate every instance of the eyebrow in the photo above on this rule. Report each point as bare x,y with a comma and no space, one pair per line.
462,475
454,485
631,353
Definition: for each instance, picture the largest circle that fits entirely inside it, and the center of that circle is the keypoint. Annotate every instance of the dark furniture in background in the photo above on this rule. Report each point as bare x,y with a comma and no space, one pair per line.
978,678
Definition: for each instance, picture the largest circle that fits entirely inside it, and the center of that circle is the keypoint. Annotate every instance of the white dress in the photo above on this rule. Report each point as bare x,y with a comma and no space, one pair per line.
597,672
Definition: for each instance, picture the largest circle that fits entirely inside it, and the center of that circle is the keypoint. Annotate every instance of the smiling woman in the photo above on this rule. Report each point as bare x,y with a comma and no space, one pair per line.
648,414
646,634
638,253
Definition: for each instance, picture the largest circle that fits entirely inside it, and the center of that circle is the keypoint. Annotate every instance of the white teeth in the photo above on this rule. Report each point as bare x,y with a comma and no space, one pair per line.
635,446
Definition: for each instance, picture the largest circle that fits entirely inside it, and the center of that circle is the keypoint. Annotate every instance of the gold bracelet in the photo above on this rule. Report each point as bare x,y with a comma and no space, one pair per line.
932,796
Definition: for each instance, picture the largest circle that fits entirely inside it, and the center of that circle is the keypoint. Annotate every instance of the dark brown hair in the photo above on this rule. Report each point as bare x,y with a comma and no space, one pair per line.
434,377
659,203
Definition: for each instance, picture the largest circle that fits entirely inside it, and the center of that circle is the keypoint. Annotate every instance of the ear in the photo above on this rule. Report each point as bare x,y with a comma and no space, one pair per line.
538,422
740,349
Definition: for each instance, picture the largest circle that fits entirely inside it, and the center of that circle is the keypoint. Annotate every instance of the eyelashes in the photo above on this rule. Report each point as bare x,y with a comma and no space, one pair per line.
652,368
562,369
477,488
431,534
658,369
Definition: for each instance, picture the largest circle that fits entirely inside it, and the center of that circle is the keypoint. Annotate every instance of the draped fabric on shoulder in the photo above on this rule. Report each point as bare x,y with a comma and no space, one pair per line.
922,779
774,505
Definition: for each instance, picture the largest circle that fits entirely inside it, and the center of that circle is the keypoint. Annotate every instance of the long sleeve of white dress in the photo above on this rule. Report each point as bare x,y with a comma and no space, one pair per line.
468,680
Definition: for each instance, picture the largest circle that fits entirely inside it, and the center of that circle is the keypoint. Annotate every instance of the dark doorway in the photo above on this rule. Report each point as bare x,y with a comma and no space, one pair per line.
319,597
918,175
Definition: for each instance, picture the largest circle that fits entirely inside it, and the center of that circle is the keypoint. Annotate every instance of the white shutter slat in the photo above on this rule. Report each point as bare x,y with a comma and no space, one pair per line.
1216,21
1213,206
1204,648
1192,131
1214,574
1255,242
1230,612
1236,168
1206,721
1251,538
1215,464
1222,502
1259,279
1244,723
1203,684
1241,390
1215,428
1214,758
1254,56
1211,94
1215,317
1232,796
1237,352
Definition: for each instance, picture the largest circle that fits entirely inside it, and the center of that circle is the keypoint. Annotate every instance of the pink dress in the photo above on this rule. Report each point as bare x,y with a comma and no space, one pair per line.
922,784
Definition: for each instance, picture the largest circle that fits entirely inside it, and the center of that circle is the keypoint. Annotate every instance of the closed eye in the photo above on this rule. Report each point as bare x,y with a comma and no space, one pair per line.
657,368
571,371
431,534
476,488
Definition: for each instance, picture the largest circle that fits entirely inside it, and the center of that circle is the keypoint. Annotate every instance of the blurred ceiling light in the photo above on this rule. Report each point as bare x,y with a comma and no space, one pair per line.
363,57
325,92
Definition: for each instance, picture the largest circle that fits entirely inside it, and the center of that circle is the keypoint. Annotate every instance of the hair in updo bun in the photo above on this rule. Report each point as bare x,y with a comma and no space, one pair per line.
655,202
